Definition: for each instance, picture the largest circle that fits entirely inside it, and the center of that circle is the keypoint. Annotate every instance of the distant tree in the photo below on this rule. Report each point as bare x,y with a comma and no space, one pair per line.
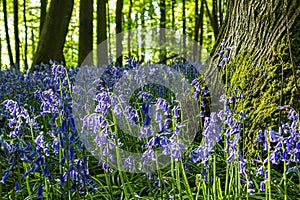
119,16
129,28
102,32
26,35
213,17
85,29
16,30
11,60
162,33
54,31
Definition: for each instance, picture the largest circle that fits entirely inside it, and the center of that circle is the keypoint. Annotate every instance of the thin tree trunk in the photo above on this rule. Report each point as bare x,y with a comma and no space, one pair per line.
196,30
143,36
26,36
11,60
184,27
85,30
33,40
220,12
109,32
119,16
201,28
54,32
16,31
162,34
129,28
173,14
212,20
215,15
102,32
43,13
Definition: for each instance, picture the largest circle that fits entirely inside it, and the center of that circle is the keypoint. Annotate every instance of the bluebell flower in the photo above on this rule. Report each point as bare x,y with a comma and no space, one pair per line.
176,112
40,192
262,185
18,189
243,115
260,171
5,177
251,191
147,120
46,171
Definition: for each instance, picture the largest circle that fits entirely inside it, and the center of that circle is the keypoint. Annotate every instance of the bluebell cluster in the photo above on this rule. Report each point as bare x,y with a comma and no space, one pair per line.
39,130
284,145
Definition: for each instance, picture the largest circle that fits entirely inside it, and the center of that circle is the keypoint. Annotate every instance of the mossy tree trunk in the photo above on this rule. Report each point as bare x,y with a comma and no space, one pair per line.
54,32
265,59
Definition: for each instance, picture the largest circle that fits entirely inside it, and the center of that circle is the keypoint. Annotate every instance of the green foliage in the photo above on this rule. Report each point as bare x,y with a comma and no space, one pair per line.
262,88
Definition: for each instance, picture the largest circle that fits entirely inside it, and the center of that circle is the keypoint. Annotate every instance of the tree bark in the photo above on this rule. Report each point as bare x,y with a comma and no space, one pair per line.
54,32
184,26
143,35
85,30
16,28
162,34
102,32
11,60
26,36
264,36
129,28
173,13
119,16
212,19
43,13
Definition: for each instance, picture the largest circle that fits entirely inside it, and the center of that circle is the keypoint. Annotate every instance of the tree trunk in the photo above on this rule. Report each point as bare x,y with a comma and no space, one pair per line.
16,28
43,13
102,33
26,36
143,35
129,28
54,32
119,16
7,34
201,29
264,37
184,26
212,18
162,34
85,30
173,13
109,32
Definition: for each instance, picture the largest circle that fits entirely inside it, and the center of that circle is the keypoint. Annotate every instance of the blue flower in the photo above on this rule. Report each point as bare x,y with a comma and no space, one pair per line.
5,177
18,189
40,192
251,191
262,186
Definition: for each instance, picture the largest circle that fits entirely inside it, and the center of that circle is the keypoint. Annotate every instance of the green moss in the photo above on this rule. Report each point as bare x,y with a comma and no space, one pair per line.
262,89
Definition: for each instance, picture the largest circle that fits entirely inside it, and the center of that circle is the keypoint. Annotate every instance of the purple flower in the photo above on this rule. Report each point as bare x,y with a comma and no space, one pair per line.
262,186
260,171
40,192
5,177
251,191
18,189
176,112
